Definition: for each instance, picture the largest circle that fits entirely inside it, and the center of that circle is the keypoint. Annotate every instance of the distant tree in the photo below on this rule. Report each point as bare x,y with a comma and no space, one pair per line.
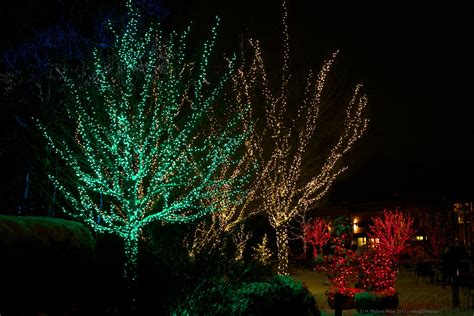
316,234
30,80
435,230
287,188
31,76
140,148
392,231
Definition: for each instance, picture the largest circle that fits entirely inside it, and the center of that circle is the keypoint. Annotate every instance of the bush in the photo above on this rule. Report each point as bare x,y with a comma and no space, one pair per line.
46,265
279,295
376,302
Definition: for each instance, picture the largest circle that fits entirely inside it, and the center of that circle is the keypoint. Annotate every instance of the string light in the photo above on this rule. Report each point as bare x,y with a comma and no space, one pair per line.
141,141
210,233
285,192
262,253
393,230
240,239
370,268
316,233
341,266
377,270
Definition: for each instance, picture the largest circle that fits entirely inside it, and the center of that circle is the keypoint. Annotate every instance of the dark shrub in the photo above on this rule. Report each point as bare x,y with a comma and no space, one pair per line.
279,295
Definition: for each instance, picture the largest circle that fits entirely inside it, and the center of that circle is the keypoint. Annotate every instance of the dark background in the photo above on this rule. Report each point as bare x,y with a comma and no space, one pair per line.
415,61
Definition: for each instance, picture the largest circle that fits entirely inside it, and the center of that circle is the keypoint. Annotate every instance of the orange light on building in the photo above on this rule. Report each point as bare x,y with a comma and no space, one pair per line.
356,227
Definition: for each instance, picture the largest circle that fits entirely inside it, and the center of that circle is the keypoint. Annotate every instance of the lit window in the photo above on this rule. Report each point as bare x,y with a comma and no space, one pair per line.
361,241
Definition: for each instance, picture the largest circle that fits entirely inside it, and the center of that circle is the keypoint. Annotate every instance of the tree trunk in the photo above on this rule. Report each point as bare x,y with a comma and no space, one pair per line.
130,270
282,248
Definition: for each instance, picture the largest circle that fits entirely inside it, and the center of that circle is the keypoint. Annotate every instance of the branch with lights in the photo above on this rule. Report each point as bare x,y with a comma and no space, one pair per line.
316,234
212,231
141,149
286,190
393,231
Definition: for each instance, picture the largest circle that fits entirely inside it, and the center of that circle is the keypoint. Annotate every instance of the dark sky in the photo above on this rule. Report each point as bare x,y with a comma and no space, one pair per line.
416,61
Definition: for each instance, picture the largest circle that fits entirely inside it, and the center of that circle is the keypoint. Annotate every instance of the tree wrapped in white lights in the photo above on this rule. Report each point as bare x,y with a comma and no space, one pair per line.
262,253
286,190
141,149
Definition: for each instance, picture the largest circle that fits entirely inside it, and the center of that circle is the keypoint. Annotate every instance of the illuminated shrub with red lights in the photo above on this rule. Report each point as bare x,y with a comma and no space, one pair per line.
377,274
377,270
340,262
366,277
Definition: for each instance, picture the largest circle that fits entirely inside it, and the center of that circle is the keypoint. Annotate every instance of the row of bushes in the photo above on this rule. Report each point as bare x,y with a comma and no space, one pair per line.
48,278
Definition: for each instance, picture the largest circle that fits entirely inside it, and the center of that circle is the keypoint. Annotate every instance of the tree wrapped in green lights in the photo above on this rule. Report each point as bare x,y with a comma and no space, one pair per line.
141,149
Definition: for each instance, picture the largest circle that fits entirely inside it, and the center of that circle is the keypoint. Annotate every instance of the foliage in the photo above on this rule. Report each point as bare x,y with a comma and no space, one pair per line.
40,255
393,231
277,295
21,235
368,302
240,239
345,295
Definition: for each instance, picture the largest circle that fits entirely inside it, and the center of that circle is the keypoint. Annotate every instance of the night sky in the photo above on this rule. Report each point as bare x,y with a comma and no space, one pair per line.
415,60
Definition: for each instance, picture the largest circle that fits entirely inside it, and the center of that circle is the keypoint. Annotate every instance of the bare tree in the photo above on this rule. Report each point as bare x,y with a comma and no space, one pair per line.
286,189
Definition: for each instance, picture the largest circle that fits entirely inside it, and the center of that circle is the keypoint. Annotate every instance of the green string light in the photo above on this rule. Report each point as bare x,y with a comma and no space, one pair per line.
140,137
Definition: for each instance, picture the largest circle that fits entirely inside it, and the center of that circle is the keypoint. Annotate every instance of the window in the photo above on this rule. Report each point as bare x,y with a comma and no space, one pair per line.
361,241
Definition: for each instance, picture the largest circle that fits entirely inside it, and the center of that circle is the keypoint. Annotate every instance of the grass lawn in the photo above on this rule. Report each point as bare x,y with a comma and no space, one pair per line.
417,297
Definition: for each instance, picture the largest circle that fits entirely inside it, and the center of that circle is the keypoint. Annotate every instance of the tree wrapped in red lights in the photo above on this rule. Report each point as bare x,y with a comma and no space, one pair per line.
393,230
316,233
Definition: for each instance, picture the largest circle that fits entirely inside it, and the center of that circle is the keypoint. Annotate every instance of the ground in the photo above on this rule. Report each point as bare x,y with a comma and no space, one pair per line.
417,296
